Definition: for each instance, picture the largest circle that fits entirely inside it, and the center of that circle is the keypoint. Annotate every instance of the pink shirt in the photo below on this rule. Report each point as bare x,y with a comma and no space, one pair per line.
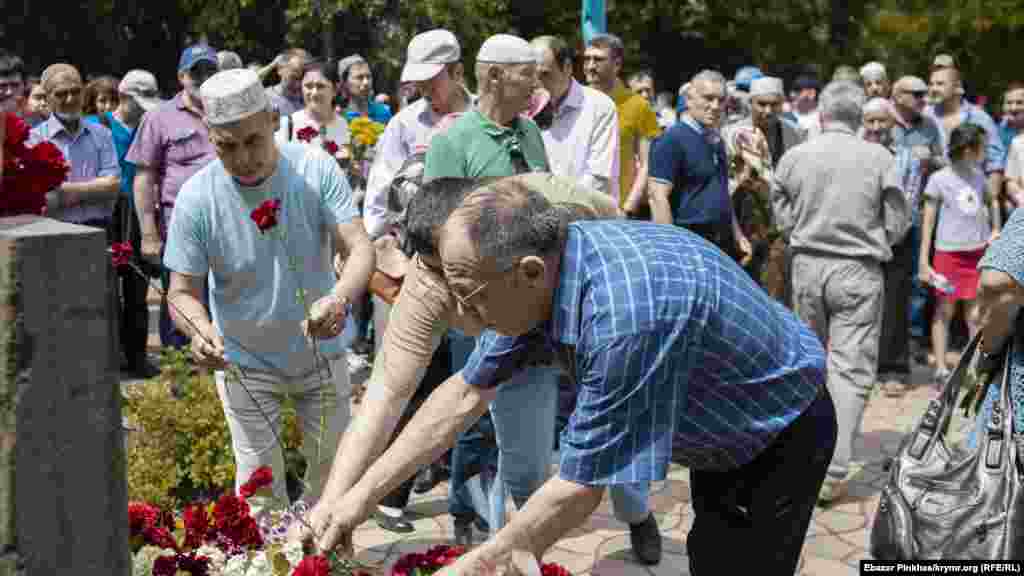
175,142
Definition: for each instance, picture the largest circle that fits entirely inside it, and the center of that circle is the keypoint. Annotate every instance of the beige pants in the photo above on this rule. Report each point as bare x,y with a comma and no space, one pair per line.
841,300
322,406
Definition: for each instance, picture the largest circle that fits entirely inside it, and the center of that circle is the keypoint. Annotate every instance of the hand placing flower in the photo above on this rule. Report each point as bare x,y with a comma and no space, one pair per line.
326,317
265,215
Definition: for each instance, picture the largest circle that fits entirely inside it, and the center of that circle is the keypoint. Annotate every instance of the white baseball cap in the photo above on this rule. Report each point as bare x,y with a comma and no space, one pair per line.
428,53
141,85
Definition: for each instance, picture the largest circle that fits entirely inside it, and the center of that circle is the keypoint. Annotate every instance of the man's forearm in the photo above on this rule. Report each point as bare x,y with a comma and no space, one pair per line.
661,210
355,275
450,410
188,313
995,186
365,438
103,189
145,202
556,508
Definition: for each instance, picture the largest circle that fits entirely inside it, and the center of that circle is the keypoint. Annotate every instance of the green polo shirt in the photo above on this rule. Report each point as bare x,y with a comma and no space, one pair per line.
475,147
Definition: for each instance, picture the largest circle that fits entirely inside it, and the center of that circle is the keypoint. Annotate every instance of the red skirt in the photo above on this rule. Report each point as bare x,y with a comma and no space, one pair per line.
961,268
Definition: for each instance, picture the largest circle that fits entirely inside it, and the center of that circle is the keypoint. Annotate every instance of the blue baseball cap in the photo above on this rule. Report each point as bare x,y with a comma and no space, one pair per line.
746,75
195,54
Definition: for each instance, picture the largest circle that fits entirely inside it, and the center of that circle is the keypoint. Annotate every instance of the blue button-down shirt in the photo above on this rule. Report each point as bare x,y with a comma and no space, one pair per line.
995,152
677,354
91,155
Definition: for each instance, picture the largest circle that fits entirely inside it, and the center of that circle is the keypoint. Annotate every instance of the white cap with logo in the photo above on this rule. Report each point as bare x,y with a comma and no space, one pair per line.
428,53
232,95
141,86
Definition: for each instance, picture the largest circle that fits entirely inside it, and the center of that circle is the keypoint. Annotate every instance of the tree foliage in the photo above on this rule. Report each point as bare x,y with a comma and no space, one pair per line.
674,38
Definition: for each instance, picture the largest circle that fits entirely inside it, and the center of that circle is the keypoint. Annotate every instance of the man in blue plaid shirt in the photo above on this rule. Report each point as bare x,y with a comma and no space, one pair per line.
678,356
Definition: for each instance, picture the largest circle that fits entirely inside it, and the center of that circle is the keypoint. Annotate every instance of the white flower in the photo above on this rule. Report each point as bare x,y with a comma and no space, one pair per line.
142,562
217,558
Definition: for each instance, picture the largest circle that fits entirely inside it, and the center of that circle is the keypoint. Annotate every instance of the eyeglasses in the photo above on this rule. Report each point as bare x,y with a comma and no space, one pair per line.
462,303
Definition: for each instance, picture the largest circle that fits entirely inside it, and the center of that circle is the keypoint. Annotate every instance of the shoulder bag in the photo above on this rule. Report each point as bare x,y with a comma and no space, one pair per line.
943,503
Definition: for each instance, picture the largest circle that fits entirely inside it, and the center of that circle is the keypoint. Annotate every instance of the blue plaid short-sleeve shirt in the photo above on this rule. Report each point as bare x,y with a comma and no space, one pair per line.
677,354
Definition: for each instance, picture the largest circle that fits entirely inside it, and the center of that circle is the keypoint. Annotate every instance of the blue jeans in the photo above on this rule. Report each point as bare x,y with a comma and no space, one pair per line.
524,424
475,451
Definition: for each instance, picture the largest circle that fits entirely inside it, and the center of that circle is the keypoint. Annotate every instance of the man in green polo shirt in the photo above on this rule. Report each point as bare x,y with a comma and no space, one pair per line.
494,139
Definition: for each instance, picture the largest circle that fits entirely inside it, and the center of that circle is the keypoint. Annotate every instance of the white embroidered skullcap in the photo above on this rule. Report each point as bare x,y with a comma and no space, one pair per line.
232,95
767,85
507,49
873,71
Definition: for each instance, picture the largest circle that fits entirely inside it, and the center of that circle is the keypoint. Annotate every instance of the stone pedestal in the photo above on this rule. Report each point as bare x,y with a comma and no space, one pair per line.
63,485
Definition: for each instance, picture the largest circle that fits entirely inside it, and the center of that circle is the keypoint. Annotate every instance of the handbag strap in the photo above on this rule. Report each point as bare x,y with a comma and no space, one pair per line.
940,410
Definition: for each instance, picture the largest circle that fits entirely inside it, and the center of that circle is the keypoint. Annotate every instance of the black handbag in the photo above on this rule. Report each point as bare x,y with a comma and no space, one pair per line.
944,503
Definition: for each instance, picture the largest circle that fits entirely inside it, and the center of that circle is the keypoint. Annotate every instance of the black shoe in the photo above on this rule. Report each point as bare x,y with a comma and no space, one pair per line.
646,541
428,478
399,525
463,532
143,369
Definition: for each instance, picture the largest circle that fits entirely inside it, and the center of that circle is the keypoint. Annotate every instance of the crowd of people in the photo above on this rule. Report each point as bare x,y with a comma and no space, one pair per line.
718,277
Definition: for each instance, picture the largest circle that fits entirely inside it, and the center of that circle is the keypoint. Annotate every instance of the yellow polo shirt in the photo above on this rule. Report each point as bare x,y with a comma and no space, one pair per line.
636,118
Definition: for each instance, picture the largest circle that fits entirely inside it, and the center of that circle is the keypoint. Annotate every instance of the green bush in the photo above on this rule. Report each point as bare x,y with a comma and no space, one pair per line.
182,449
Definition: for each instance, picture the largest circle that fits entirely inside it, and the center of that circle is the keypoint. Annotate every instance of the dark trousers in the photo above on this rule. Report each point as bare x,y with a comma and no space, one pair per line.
719,234
133,312
894,343
170,336
439,370
762,509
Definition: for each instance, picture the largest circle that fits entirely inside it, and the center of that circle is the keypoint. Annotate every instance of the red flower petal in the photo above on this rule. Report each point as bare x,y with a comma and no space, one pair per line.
306,134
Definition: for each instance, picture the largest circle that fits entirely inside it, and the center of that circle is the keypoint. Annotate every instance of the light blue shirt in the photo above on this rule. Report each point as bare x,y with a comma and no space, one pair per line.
254,278
90,153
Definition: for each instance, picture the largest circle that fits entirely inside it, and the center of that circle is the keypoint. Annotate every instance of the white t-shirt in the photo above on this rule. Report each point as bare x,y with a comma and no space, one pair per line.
337,130
964,223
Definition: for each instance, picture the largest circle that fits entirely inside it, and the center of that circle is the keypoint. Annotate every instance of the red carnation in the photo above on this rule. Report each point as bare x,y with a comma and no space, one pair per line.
554,570
17,132
331,147
160,537
120,254
197,526
313,566
307,134
141,516
261,478
265,215
165,566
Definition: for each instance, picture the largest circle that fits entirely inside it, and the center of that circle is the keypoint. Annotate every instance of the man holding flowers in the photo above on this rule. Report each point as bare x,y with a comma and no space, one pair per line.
255,229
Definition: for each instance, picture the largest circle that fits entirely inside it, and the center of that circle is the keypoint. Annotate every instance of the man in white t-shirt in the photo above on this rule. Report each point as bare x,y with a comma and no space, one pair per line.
260,279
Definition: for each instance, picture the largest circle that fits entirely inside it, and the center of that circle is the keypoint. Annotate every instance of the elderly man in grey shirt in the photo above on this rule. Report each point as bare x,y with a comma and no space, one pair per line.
838,200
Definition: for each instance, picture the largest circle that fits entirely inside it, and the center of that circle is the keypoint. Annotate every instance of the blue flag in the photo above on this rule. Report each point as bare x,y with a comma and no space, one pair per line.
594,19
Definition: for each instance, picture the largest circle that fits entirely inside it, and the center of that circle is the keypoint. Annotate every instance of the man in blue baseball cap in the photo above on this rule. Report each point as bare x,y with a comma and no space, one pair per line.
172,143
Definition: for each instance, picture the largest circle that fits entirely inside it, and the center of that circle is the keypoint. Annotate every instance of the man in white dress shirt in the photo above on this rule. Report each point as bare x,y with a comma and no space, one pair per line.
582,141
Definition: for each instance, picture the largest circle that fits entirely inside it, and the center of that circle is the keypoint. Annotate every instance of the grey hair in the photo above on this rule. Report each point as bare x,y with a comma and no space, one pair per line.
228,60
507,221
842,101
430,207
712,76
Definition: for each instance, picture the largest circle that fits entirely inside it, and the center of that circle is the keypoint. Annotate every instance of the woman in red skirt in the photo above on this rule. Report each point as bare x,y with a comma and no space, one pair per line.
962,219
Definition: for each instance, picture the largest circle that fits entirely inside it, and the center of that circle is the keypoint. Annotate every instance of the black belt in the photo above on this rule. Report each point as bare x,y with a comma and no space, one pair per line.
96,223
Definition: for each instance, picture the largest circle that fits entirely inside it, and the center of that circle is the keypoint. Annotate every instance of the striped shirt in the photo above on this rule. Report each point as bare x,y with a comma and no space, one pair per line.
677,354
